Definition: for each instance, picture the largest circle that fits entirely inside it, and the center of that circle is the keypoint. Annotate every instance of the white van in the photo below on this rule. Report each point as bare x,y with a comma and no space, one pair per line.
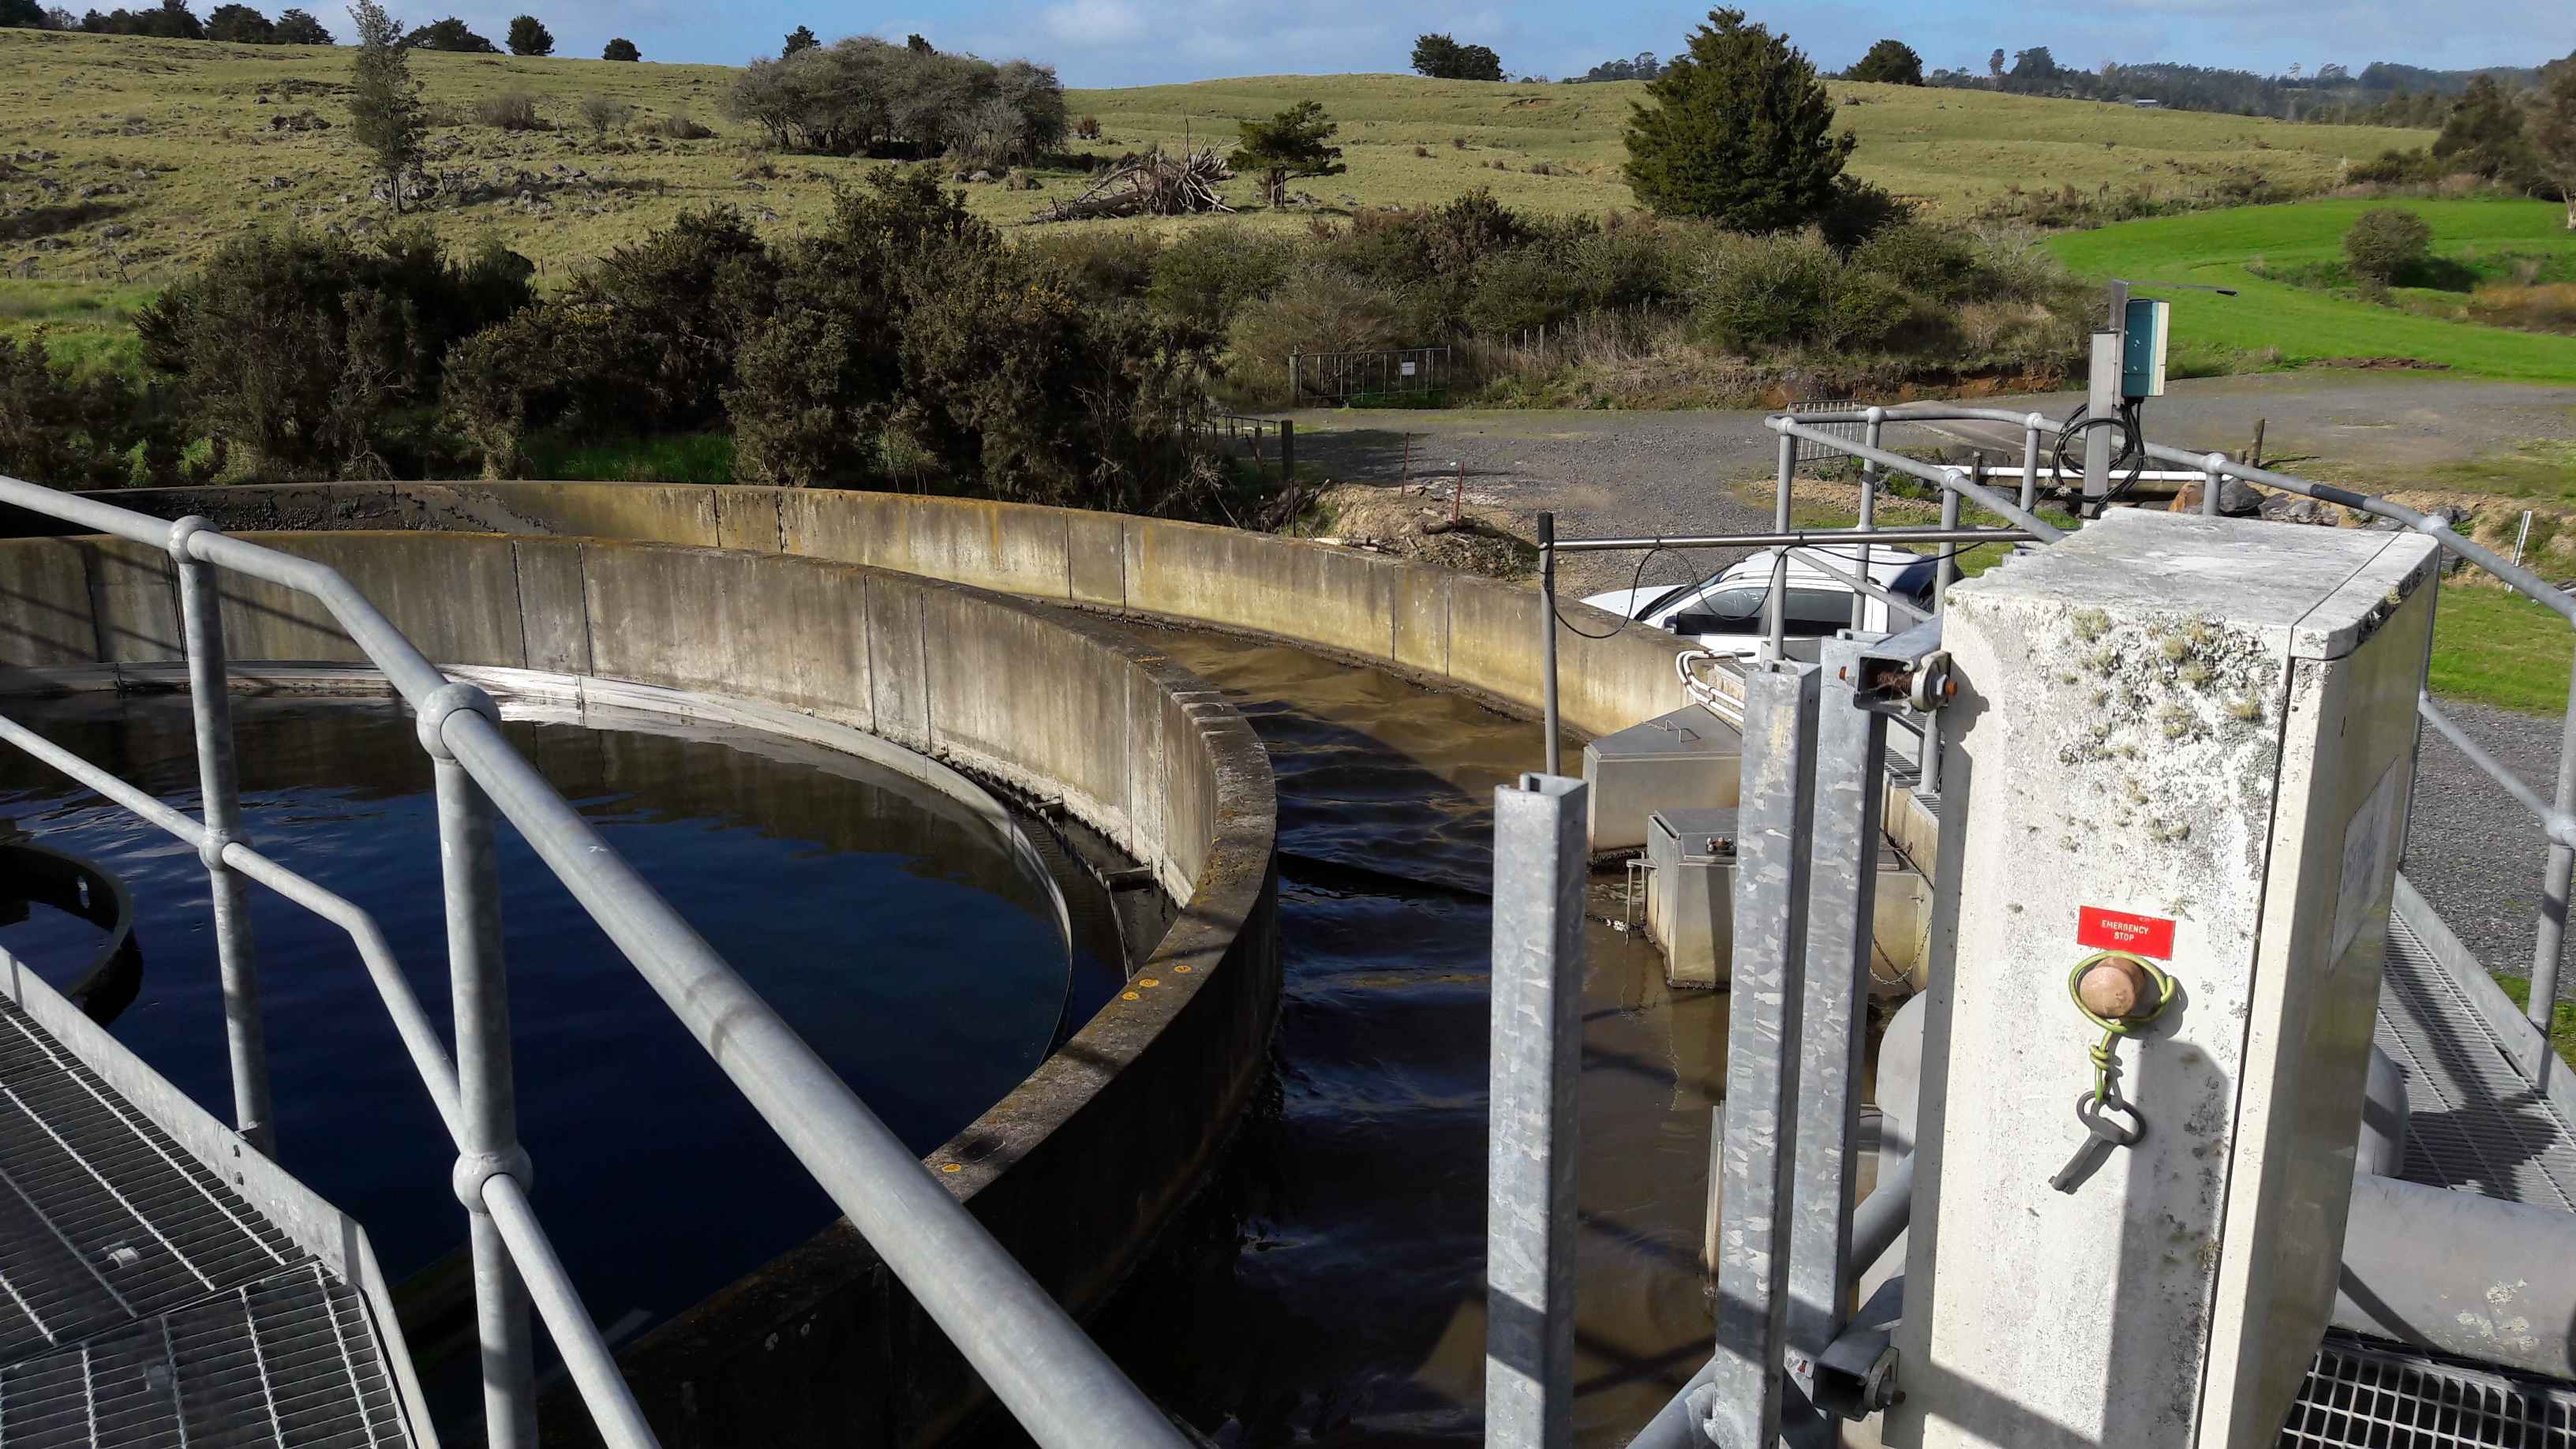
1725,612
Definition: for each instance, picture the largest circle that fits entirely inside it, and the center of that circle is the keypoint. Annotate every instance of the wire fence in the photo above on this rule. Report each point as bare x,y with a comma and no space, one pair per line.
1412,374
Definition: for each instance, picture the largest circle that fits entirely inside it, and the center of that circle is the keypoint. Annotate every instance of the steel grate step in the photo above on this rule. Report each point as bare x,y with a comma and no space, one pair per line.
143,1302
2367,1396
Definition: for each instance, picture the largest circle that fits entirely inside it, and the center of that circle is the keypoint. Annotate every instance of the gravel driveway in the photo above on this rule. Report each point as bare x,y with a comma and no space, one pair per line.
2474,853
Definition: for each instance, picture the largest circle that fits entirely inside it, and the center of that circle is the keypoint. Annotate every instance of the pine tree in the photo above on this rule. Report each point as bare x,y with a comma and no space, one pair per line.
2553,130
621,49
1296,142
1738,131
1890,62
801,38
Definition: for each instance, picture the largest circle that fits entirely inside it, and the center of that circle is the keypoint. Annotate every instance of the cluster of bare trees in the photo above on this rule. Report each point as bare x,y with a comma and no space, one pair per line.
868,95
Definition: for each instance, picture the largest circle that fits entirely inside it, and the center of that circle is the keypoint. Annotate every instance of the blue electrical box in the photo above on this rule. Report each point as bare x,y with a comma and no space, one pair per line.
2142,349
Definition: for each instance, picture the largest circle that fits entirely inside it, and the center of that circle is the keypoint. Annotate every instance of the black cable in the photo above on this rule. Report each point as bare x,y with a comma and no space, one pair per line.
2132,446
1635,582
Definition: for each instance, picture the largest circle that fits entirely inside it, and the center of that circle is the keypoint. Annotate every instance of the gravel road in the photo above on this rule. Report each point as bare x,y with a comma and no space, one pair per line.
2473,852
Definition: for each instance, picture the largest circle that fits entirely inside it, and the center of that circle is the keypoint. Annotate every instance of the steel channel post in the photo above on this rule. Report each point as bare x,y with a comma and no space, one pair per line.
1540,860
1943,576
1777,610
486,1101
1868,509
1554,746
1842,898
219,791
2549,939
1753,1168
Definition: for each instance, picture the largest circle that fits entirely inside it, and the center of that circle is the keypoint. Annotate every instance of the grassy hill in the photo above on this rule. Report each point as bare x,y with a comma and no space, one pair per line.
2301,324
180,143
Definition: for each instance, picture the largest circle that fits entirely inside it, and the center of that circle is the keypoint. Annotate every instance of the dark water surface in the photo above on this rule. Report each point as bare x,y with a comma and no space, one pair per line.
888,924
1329,1287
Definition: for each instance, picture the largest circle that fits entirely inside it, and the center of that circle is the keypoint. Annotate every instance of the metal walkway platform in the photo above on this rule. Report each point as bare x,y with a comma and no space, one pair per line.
146,1302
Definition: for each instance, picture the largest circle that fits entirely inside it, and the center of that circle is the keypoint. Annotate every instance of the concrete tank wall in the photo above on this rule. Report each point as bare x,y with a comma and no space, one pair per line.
1079,1166
1465,632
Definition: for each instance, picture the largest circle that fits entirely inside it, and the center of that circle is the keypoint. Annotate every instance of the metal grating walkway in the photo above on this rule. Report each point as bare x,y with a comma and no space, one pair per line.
143,1301
2476,1123
2357,1394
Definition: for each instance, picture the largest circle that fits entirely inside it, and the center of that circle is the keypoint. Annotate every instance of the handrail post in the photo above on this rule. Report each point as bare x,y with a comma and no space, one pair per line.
1779,605
2030,460
2214,474
1548,717
487,1108
1871,432
1944,574
219,788
2550,938
1537,1046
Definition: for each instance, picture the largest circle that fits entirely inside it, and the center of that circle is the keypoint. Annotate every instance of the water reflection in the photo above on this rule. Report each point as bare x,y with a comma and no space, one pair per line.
1329,1288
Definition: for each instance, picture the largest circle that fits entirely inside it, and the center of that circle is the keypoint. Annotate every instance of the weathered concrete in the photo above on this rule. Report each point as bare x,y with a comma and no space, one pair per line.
1081,1164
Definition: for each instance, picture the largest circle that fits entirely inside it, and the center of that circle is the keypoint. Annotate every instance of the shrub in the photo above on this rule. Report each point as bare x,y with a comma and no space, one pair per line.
2391,167
604,114
1928,261
1518,290
620,48
1314,309
449,34
528,36
1088,128
1764,292
1638,262
1103,266
681,126
2387,241
294,349
1890,62
508,111
1207,273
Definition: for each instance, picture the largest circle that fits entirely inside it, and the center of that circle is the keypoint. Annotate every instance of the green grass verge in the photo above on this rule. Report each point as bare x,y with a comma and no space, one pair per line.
2302,324
2500,648
2562,1023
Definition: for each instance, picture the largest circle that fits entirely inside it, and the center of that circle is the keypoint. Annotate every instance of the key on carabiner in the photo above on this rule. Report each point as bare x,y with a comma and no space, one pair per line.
2095,1114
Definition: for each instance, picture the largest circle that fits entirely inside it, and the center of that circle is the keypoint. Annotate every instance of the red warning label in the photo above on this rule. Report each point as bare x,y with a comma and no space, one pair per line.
2105,929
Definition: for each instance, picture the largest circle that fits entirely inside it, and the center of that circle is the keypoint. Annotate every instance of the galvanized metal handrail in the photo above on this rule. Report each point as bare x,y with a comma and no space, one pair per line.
1059,1384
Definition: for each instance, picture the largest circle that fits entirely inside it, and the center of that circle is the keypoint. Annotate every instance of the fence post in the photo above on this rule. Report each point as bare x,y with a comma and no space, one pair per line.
1288,452
1537,1026
1753,1171
1295,394
219,790
486,1099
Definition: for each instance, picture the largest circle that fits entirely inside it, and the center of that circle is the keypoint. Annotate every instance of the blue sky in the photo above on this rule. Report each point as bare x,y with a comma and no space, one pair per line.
1138,42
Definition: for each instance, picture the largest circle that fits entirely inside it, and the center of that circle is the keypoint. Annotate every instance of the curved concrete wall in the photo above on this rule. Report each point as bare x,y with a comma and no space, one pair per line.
1465,632
1455,630
1078,1167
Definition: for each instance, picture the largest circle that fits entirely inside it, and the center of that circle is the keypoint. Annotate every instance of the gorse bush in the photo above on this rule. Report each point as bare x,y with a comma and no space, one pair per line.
294,350
509,111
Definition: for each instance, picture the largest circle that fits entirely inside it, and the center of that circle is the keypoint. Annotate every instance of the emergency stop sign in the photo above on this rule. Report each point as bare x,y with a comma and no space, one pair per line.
2105,929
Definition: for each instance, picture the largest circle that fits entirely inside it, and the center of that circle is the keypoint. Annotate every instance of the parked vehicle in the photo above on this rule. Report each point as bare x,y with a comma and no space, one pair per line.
1725,612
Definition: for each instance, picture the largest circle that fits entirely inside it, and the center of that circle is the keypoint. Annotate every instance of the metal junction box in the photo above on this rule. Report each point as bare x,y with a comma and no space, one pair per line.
1688,759
2190,739
1690,893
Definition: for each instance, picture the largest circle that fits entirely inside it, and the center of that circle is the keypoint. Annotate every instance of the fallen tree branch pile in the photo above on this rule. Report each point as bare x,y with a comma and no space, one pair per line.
1153,184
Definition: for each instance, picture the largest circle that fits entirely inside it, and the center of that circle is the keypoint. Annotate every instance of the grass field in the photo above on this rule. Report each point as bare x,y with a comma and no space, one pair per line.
174,139
2304,324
